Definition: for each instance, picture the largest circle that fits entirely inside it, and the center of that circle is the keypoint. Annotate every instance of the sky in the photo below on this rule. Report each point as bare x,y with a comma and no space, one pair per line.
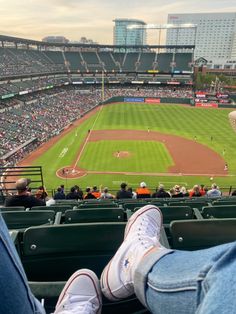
35,19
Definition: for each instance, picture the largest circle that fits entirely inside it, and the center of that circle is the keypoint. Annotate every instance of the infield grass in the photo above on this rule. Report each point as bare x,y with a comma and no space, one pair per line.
142,156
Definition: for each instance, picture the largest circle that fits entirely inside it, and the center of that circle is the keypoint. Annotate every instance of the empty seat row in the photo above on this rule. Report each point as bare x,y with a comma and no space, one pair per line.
48,215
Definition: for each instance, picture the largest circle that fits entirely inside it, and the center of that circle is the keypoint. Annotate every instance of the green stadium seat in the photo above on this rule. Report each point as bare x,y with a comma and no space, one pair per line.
98,205
193,204
134,205
53,253
72,203
55,208
224,202
219,211
171,213
200,234
25,219
94,215
12,208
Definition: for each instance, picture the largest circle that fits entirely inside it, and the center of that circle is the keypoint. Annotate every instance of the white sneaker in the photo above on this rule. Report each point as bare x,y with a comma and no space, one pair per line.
142,234
81,294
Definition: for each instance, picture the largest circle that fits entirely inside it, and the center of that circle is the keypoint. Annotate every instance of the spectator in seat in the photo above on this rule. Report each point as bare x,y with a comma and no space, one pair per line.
62,188
105,194
73,194
184,191
233,193
177,192
123,193
160,192
214,191
203,189
23,198
143,191
134,194
59,195
89,194
79,192
41,193
195,192
95,192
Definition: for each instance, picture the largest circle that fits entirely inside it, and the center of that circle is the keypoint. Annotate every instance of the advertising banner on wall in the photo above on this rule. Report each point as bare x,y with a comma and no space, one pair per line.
206,105
152,100
133,99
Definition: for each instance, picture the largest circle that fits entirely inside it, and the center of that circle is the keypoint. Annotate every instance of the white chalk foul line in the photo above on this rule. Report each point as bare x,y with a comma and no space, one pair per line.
87,138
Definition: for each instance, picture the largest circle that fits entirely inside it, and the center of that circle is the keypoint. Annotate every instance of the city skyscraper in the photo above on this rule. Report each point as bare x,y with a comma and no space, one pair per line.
123,35
214,36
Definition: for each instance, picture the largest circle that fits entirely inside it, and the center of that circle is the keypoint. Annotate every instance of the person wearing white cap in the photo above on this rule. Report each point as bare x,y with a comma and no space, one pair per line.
143,191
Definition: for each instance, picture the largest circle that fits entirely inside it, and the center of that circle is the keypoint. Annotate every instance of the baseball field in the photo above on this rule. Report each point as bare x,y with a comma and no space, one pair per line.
170,144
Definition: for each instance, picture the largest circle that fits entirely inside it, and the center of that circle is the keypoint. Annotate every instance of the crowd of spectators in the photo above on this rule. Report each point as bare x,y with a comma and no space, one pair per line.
147,91
125,192
32,119
42,117
142,191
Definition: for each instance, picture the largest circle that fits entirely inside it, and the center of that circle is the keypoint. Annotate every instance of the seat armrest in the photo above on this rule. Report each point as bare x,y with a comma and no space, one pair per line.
57,220
46,289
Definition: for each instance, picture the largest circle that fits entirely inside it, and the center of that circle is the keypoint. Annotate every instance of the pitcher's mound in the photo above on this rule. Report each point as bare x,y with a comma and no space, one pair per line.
122,154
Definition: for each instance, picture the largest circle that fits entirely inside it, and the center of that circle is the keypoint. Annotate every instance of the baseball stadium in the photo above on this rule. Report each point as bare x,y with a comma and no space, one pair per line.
77,116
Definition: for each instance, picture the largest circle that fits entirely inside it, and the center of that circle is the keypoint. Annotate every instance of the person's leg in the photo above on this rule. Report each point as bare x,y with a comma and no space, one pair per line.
81,294
189,282
168,281
15,294
141,237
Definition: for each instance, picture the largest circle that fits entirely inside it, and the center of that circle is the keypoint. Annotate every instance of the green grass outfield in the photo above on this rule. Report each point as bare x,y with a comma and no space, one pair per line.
179,120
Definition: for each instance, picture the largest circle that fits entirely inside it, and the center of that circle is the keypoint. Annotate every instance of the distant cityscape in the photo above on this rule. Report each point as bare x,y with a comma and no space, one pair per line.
214,35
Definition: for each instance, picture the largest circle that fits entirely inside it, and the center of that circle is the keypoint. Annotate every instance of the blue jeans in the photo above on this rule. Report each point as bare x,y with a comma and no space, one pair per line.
15,294
183,282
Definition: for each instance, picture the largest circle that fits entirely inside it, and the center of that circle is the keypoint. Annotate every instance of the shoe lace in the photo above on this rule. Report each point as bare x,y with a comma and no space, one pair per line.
146,232
75,305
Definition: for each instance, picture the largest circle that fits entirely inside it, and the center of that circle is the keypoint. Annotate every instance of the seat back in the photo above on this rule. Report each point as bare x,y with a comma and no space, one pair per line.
201,234
71,203
94,215
134,205
171,213
55,208
98,205
53,253
196,204
12,208
25,219
224,211
224,202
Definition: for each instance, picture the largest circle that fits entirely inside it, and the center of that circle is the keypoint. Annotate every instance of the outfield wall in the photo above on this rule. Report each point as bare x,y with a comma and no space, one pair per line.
165,100
150,100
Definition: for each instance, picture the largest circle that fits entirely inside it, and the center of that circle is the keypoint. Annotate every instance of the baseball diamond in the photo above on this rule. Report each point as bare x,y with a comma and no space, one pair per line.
161,140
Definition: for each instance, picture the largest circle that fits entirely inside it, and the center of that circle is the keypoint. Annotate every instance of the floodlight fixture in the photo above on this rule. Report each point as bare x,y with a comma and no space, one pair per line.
161,26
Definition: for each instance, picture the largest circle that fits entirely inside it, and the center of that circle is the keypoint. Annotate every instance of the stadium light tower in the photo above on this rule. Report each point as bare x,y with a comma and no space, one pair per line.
166,26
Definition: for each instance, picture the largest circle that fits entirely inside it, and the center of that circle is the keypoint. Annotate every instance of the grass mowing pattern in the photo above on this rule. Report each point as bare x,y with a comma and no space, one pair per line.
172,119
186,121
144,156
